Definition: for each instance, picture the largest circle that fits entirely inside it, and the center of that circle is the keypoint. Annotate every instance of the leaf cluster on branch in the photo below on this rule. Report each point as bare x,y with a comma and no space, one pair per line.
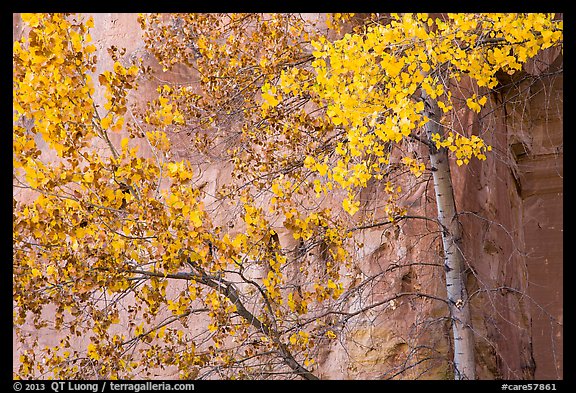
140,271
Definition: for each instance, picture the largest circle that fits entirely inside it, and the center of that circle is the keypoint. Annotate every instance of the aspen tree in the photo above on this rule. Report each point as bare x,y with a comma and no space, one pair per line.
302,117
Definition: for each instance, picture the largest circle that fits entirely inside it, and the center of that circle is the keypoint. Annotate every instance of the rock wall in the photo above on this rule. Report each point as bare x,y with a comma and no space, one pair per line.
511,208
536,123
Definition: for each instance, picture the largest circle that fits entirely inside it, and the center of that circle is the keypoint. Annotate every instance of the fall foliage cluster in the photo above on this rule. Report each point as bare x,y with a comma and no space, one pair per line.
138,268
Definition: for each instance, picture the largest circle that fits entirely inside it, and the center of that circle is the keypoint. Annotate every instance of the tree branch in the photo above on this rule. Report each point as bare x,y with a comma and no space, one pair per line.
226,288
395,220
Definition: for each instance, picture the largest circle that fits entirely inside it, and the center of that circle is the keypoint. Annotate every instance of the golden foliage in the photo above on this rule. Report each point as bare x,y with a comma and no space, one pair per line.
309,123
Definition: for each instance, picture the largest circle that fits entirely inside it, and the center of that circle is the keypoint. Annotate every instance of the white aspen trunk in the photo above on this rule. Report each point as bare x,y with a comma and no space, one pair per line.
464,362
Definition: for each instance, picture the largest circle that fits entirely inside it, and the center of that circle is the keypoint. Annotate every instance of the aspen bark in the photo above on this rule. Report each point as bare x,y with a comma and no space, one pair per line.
464,362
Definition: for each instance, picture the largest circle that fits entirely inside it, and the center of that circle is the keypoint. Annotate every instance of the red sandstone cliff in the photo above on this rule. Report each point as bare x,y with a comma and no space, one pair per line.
511,206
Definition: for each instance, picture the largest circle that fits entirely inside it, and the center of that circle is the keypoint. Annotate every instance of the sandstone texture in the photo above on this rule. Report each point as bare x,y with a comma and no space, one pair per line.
512,214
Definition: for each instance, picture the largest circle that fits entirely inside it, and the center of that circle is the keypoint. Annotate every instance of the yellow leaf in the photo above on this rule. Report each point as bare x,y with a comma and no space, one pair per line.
89,177
309,162
105,122
138,331
119,69
321,168
92,353
277,190
473,105
50,270
270,99
291,302
195,217
239,241
119,124
31,19
350,206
